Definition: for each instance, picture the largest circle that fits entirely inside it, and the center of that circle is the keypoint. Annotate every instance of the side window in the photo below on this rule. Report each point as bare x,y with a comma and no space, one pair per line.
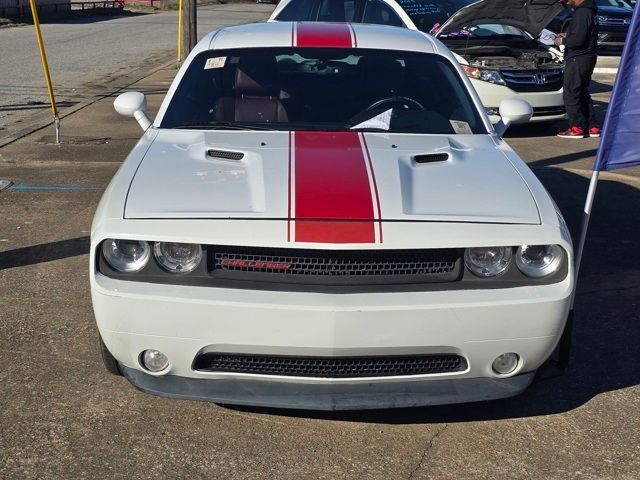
380,13
296,11
337,11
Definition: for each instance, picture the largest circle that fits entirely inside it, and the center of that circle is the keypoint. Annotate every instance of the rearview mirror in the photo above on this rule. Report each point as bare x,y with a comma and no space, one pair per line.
513,110
133,104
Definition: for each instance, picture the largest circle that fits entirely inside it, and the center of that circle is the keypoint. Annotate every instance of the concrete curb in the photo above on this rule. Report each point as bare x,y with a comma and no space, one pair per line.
604,70
41,123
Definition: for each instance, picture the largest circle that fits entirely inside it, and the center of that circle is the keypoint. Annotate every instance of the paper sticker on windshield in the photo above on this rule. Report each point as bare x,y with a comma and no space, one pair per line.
215,62
460,127
380,122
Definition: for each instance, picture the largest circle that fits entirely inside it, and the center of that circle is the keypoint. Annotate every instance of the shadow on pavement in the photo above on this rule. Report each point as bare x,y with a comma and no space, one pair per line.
44,252
560,159
607,317
598,87
146,91
34,106
92,15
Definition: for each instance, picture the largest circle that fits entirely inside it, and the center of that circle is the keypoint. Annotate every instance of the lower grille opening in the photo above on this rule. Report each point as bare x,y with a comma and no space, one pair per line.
546,111
330,367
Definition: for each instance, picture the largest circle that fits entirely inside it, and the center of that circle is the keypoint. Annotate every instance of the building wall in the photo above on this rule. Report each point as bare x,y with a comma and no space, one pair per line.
13,8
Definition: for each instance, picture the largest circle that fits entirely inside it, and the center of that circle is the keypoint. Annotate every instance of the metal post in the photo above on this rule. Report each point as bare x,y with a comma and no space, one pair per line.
180,6
586,215
193,24
189,28
45,68
564,347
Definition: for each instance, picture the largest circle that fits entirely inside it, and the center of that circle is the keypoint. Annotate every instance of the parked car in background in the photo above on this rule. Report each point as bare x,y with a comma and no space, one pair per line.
495,42
614,19
322,216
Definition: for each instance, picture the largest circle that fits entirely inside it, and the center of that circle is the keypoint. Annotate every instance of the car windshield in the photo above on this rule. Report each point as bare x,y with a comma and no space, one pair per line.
429,15
334,89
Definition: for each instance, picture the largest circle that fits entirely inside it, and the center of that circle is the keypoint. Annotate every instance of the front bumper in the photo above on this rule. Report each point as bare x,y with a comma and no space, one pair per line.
612,37
543,103
183,322
327,396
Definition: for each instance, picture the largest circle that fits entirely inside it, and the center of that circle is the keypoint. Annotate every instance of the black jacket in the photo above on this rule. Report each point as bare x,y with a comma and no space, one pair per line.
582,34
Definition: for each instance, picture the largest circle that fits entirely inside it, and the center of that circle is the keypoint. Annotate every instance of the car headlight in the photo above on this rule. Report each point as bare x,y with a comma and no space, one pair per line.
538,261
488,261
126,255
484,74
178,257
601,19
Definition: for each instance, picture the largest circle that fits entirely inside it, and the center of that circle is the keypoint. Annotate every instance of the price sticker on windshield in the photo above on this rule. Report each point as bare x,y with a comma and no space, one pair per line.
461,127
215,62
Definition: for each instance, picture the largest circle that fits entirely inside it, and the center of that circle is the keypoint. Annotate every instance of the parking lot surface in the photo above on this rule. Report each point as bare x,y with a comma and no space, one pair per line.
93,56
63,416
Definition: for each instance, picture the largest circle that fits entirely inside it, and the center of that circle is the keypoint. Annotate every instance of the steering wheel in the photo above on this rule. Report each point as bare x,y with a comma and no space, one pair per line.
406,101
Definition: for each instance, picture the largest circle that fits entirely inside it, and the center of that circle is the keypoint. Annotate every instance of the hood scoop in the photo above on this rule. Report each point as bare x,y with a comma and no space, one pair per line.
431,158
225,154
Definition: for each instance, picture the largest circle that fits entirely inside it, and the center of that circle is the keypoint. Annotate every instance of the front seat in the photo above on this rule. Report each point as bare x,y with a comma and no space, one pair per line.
256,93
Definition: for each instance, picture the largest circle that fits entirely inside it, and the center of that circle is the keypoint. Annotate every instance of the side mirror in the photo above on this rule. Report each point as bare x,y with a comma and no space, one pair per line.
133,104
513,110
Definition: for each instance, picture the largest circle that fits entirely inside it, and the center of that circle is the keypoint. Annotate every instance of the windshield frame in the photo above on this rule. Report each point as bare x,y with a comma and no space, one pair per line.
469,103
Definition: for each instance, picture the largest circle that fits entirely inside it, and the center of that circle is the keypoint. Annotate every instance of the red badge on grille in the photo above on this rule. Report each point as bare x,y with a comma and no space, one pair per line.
259,265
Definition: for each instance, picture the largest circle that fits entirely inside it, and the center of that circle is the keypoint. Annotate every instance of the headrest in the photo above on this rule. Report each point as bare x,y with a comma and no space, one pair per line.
256,75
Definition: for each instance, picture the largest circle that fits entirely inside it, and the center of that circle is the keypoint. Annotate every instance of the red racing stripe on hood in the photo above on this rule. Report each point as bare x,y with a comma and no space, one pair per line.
315,34
332,199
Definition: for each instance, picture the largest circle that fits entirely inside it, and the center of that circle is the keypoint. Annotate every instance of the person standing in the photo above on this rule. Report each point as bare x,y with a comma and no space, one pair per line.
580,53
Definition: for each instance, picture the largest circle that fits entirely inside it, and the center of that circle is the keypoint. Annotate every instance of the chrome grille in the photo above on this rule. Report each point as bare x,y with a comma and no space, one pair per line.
533,80
614,22
329,367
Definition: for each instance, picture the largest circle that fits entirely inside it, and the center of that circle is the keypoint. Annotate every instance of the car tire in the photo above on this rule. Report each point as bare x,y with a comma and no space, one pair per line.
110,363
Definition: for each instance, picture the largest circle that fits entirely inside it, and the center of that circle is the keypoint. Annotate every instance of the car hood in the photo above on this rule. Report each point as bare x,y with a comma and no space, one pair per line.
325,175
531,16
616,12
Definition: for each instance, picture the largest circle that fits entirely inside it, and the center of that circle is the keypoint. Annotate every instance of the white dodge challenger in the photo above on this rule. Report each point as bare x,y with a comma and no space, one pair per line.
321,216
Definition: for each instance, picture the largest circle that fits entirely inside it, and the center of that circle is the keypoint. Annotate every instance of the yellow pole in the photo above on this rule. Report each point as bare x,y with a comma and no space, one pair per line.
45,67
179,32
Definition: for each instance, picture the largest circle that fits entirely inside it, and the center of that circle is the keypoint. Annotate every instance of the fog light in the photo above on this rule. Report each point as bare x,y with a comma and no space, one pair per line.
505,363
154,361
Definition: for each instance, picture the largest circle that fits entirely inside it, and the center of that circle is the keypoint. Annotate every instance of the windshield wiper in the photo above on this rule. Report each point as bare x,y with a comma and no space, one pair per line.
369,129
220,126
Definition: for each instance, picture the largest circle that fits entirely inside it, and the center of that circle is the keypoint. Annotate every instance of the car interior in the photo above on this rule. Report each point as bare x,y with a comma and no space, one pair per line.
323,89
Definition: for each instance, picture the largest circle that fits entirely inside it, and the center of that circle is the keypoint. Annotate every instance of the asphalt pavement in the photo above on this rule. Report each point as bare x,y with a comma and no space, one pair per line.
92,56
63,416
